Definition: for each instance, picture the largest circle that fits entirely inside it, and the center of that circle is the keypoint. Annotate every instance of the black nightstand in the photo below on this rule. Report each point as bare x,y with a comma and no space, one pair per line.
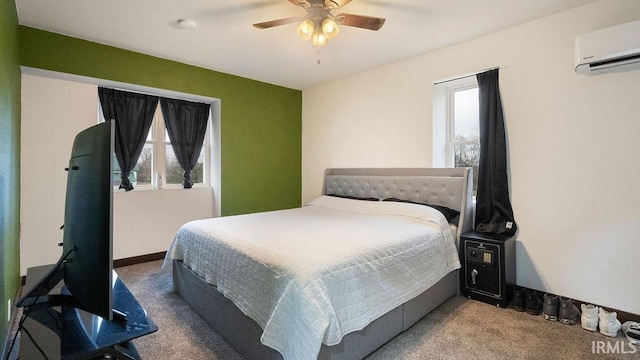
488,267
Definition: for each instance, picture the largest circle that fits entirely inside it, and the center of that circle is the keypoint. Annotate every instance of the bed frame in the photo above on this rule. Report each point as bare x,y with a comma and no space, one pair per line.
449,187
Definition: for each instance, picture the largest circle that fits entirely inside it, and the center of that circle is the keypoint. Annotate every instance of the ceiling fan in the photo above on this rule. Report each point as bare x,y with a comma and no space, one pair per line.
319,25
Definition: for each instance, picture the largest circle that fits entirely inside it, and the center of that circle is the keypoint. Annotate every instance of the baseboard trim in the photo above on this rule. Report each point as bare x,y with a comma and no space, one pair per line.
139,259
622,315
124,262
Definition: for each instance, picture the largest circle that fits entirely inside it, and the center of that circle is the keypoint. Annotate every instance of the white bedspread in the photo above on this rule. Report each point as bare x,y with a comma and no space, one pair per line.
314,274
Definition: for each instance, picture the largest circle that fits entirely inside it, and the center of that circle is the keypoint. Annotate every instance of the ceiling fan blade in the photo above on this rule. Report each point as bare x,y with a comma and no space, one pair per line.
334,4
278,22
360,21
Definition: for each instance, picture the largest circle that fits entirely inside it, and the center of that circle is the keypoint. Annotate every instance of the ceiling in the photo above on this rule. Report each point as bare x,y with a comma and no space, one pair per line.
226,41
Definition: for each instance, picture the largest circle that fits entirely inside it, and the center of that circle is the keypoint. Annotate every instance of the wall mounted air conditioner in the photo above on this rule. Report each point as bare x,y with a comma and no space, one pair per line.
609,50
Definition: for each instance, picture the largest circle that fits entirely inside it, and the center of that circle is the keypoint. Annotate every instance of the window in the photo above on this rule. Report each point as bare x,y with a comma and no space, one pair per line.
157,166
456,125
463,148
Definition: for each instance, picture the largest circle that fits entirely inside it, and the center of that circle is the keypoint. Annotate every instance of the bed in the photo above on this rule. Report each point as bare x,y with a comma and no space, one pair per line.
336,278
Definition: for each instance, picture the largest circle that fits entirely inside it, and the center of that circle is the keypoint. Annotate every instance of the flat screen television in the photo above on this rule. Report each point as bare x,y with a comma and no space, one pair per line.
86,263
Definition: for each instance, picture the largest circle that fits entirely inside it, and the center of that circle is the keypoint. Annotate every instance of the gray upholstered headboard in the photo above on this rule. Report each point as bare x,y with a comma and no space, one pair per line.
450,187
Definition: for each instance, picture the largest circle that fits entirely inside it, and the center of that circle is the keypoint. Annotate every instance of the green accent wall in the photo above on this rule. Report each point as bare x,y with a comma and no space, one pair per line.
9,161
261,124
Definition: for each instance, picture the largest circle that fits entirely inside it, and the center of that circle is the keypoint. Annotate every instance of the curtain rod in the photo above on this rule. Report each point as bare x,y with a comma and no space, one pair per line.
469,75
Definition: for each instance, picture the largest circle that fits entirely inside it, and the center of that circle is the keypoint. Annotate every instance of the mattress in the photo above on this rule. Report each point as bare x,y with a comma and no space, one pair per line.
311,275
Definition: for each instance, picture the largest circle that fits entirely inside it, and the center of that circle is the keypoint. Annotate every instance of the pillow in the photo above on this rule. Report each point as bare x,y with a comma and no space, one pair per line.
449,214
353,197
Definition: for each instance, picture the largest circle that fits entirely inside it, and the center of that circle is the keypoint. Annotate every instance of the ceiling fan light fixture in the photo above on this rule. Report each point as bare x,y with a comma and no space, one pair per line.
318,38
305,29
319,25
330,28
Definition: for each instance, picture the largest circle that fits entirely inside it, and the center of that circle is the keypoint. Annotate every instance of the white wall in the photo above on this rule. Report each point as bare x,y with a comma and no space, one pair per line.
144,222
572,141
53,112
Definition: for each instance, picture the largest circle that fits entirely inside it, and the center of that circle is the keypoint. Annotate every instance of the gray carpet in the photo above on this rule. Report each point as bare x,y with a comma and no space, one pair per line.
458,329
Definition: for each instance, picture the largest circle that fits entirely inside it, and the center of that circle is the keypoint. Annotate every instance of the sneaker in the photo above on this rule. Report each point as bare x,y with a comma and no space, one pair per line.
589,317
518,299
609,323
532,302
550,307
631,330
568,312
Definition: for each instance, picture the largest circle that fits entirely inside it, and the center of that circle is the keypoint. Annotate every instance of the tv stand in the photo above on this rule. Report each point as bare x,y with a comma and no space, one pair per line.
65,332
119,316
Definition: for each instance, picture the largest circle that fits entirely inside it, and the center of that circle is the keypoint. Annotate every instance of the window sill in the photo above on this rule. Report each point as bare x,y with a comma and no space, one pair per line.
149,188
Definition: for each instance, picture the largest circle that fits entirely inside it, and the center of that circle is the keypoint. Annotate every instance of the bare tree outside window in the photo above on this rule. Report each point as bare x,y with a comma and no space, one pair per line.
144,166
465,139
175,171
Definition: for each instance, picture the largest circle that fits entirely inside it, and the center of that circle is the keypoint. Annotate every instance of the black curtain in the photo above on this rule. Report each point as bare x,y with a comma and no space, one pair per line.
186,123
493,207
133,114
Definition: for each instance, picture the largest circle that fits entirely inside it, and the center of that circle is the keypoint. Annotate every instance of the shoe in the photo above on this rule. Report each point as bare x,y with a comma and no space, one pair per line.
568,312
609,323
518,299
631,330
533,304
550,307
589,318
